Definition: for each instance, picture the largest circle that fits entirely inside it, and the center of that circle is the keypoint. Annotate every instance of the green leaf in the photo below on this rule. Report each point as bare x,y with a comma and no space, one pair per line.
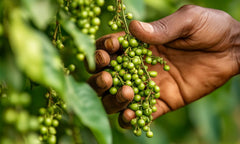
35,54
82,41
10,73
40,11
82,99
137,7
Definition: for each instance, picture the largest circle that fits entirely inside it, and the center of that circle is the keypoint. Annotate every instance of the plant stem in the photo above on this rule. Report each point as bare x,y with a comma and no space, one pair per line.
124,20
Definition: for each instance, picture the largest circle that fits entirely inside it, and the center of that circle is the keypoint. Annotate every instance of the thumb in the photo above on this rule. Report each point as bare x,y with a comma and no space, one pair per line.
178,25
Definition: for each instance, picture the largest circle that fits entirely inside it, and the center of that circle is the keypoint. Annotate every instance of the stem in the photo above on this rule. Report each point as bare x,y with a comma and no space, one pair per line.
120,79
124,19
56,31
145,69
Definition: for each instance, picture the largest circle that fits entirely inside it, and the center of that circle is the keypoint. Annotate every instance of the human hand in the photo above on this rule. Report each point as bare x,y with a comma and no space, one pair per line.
201,46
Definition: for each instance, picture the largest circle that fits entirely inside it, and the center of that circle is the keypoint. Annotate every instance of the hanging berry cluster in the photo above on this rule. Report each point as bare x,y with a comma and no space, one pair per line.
129,69
50,116
84,13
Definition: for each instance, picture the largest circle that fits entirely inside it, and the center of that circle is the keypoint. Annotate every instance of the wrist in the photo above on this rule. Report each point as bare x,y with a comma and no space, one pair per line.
236,45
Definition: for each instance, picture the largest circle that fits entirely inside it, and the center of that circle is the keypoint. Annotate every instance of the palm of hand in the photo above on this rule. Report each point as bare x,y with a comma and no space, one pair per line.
193,73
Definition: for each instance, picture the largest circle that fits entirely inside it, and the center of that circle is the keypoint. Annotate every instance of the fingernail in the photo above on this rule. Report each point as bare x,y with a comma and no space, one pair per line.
108,44
125,94
104,80
128,115
102,58
147,27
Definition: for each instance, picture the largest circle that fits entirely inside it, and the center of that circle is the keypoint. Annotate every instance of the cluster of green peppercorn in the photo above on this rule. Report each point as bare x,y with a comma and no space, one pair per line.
84,13
129,69
16,119
50,116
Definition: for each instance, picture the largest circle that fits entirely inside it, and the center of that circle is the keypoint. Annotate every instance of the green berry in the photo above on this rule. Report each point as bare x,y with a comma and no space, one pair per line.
147,112
125,59
55,123
97,10
122,72
80,56
157,95
110,8
156,89
115,81
145,105
125,44
148,60
138,52
117,68
133,106
149,134
114,26
141,86
141,122
152,73
130,65
131,53
140,72
100,2
52,139
146,128
10,116
92,30
133,42
153,101
149,53
133,121
135,61
113,63
144,51
52,130
166,67
110,23
135,76
42,111
113,90
137,132
138,113
154,108
135,90
127,77
154,62
120,39
138,81
137,98
147,92
43,130
129,83
125,64
119,59
129,16
151,84
48,121
71,67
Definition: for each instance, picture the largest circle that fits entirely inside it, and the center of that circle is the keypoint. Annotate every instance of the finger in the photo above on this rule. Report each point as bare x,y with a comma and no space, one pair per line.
162,108
118,102
100,82
127,115
102,59
125,118
109,43
178,25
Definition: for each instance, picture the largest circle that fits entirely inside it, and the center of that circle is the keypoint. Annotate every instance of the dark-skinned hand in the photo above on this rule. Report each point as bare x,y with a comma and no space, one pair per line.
201,45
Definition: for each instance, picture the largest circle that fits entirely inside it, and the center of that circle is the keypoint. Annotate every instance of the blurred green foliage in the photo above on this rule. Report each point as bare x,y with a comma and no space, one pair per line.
213,119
